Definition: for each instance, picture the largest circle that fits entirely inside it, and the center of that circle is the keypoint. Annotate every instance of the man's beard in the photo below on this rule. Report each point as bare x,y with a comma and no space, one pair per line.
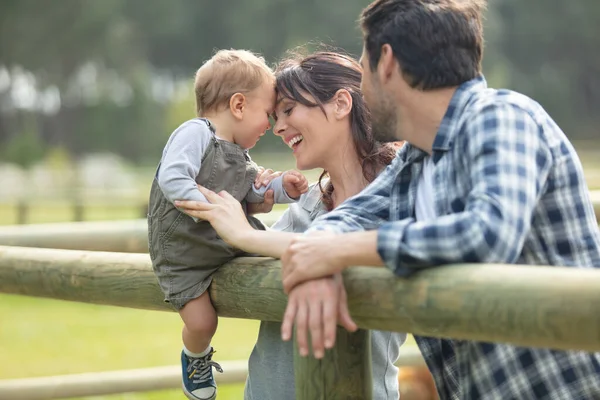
384,122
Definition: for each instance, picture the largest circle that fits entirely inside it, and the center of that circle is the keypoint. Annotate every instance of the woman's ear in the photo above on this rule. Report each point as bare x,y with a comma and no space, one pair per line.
237,104
343,103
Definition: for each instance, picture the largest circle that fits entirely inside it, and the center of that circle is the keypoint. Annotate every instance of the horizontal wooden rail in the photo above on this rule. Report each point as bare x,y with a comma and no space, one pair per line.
138,380
129,236
110,382
525,305
595,195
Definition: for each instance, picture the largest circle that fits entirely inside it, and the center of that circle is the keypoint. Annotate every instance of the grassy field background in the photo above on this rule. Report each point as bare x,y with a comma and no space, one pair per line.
40,337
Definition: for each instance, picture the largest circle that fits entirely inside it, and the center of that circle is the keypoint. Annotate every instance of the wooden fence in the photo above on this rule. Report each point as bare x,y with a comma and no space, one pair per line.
529,306
534,306
78,211
129,236
142,380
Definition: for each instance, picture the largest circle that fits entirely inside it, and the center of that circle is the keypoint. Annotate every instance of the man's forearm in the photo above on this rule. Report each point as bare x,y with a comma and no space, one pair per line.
357,249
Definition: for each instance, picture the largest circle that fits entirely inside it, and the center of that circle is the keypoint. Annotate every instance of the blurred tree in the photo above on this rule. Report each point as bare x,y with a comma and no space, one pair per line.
110,68
552,49
26,147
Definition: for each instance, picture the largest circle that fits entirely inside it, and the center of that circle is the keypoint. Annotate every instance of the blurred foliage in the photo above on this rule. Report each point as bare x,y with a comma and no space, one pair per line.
107,75
25,148
552,50
58,158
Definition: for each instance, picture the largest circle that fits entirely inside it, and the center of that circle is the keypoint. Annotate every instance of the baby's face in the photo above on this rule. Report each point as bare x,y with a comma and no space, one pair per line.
257,113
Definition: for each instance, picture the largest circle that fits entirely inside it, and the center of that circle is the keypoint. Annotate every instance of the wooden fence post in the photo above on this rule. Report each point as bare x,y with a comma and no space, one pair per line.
22,212
344,373
78,211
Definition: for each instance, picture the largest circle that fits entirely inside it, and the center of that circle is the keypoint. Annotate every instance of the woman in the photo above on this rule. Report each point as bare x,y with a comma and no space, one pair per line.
321,115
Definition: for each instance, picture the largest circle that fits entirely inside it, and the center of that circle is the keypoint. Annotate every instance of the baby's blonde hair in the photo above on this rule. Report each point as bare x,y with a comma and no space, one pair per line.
226,73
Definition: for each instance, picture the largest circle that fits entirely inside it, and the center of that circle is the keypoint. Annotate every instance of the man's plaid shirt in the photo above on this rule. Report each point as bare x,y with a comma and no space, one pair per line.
508,188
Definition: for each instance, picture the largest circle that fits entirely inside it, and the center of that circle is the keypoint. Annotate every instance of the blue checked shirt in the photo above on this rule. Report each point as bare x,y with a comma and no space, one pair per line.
508,188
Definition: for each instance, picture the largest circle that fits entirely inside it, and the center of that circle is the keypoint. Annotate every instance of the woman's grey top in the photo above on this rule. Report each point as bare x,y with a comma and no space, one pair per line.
271,364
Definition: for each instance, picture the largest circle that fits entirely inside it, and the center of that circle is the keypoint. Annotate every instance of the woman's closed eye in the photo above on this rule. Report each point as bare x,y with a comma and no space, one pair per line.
288,111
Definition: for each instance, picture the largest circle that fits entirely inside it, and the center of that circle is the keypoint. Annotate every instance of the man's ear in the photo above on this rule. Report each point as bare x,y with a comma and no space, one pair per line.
237,105
387,65
343,103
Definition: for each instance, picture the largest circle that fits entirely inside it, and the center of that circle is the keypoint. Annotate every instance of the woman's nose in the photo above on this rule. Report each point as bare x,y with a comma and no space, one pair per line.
279,127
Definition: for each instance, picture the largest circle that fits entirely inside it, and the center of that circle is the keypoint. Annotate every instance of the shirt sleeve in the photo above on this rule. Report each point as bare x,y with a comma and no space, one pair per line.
180,163
280,195
507,162
364,211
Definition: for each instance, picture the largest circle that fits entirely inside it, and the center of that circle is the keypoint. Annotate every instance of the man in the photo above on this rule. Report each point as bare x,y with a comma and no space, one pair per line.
486,177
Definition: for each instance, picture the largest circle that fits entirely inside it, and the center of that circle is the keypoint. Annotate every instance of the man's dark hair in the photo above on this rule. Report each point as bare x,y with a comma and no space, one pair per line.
438,43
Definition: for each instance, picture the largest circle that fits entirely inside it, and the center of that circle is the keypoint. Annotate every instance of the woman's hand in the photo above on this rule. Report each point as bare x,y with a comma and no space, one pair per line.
316,307
224,213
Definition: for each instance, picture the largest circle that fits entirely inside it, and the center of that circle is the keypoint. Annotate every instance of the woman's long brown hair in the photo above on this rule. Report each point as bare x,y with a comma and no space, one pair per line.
321,75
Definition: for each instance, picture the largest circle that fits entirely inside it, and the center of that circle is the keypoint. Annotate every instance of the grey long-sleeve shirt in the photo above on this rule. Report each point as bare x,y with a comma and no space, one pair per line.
180,164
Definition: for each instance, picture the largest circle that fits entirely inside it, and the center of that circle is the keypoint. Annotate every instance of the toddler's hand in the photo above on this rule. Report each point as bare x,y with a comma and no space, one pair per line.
265,176
294,184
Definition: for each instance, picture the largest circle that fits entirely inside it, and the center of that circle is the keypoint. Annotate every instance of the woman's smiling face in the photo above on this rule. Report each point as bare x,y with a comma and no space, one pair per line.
308,131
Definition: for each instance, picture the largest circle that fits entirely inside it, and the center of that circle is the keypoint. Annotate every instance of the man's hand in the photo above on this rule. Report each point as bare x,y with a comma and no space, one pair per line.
317,305
309,257
324,253
294,184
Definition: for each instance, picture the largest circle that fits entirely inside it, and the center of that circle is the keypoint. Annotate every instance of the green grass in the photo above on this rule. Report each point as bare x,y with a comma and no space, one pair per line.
39,212
42,337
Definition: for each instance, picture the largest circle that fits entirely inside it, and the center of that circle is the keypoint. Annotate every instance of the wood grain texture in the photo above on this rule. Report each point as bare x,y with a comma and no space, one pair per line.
595,196
110,382
524,305
344,373
129,236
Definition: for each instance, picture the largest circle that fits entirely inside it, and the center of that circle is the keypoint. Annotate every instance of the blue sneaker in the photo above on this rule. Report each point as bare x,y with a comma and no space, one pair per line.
198,380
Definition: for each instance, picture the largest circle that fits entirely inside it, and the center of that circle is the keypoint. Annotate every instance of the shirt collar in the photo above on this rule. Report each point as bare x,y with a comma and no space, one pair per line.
444,139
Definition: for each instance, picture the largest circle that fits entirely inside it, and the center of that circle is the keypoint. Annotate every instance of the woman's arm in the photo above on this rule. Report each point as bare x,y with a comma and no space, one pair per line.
267,243
226,216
